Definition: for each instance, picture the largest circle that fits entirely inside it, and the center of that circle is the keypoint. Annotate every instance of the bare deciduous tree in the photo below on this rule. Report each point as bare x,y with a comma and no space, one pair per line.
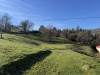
26,25
6,22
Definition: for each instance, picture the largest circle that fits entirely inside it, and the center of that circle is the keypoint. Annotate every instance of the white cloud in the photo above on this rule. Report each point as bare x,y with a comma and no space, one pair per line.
18,9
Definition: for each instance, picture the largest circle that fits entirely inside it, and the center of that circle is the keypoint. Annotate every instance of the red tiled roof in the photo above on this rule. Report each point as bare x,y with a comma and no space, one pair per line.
98,46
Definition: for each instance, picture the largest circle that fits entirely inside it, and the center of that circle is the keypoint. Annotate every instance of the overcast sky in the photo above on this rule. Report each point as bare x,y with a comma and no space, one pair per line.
53,9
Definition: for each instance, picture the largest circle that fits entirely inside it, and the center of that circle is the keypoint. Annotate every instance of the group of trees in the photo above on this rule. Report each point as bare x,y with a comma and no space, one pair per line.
49,32
77,35
7,26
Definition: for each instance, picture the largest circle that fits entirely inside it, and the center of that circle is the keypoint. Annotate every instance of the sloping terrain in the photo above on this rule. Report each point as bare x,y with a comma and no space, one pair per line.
95,31
27,55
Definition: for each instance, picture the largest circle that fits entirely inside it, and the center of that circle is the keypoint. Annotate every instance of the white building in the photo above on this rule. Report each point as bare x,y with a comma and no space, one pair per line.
98,48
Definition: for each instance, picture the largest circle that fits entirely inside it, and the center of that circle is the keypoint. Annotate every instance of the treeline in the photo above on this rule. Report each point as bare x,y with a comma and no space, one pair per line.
77,35
7,26
50,33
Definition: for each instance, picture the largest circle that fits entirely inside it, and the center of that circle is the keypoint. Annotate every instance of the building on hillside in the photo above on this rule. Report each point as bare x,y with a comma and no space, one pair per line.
98,48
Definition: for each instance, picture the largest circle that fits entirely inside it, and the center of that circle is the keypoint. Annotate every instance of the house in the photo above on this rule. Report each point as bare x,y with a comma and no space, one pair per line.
98,48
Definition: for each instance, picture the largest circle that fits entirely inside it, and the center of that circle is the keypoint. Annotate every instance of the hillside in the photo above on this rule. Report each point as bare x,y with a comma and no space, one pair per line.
22,54
95,31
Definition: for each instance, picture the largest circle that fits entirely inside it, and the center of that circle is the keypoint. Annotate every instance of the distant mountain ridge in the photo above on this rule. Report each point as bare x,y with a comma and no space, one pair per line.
95,31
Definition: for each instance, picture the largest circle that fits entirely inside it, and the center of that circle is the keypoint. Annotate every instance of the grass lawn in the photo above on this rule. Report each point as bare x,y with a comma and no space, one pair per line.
65,62
34,57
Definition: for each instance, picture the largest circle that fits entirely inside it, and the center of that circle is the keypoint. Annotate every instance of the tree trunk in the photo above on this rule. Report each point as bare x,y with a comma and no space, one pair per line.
1,34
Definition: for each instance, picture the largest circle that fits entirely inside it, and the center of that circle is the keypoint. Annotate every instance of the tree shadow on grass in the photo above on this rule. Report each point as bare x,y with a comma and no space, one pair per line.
20,66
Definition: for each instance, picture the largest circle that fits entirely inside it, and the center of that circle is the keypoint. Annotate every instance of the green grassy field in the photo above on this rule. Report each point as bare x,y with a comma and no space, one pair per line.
28,55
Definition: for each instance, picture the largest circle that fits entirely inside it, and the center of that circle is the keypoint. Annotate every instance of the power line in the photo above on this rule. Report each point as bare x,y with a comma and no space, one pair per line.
68,19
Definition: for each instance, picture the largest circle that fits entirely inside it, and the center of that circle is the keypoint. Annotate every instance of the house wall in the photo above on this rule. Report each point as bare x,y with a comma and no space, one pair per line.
98,49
